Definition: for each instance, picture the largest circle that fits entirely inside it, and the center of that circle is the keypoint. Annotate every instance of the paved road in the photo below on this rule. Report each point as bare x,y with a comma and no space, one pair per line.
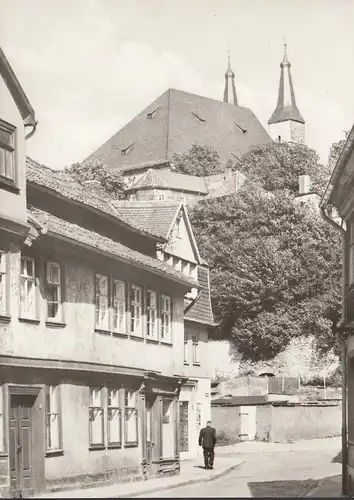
273,474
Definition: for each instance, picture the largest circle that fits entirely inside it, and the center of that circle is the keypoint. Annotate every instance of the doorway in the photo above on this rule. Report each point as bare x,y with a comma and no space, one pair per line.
26,455
150,400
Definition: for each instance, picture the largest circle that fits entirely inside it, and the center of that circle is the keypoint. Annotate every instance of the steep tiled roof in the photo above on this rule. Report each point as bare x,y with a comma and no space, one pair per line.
201,311
60,227
166,179
155,216
174,122
67,187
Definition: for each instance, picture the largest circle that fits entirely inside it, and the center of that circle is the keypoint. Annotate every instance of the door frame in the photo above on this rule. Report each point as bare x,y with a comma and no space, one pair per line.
37,430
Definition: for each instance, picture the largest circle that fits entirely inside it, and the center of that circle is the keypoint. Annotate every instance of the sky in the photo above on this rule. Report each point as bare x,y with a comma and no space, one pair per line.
89,66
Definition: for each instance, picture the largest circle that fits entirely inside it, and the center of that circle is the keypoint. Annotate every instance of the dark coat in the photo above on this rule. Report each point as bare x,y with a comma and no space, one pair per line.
207,437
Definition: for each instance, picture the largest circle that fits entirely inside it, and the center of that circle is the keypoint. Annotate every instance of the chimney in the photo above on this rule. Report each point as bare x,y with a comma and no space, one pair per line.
304,184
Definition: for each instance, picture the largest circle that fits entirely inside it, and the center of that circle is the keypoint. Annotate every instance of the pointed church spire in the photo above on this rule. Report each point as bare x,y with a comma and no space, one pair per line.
230,89
286,110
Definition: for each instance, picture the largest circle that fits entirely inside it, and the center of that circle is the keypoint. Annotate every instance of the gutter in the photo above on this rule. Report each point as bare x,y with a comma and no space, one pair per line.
34,128
342,336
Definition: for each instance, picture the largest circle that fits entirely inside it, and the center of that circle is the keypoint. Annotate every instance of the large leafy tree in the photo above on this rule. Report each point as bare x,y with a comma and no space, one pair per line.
275,265
111,181
198,160
275,269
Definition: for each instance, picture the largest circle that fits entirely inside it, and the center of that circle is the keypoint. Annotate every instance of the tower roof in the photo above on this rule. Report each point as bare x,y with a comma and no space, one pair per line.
286,108
230,95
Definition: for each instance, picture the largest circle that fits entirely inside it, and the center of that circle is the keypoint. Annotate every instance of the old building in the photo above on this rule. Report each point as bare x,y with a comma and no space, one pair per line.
172,124
165,184
286,123
340,195
170,220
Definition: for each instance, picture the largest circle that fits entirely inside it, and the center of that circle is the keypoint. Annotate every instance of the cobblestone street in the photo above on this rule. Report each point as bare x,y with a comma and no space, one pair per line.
272,474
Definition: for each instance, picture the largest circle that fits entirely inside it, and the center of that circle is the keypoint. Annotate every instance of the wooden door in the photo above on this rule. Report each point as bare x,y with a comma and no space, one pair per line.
183,426
21,478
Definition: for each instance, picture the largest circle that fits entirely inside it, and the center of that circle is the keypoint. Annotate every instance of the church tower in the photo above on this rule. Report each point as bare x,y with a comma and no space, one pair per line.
230,95
286,122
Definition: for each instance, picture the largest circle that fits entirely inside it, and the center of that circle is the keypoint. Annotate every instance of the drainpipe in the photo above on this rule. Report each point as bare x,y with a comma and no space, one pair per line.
343,339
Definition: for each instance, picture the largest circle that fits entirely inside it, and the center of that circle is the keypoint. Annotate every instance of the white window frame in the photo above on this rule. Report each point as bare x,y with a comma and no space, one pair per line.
136,309
53,418
96,410
195,349
3,283
114,416
166,318
151,315
101,297
7,152
130,412
119,307
54,284
26,279
351,254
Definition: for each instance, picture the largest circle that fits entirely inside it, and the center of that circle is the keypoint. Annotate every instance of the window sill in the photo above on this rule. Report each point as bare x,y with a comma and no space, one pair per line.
196,364
29,320
4,318
3,454
95,447
168,344
130,445
120,334
137,337
186,363
8,184
114,446
103,331
54,453
152,340
55,324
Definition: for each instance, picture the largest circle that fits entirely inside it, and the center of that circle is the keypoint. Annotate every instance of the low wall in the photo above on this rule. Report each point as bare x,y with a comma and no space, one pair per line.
279,423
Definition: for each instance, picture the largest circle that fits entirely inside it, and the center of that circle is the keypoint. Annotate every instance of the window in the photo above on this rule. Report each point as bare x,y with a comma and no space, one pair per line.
96,417
114,418
28,288
3,283
151,305
131,418
168,438
160,196
102,302
119,308
7,148
195,343
53,424
186,348
2,421
53,291
135,310
165,318
351,254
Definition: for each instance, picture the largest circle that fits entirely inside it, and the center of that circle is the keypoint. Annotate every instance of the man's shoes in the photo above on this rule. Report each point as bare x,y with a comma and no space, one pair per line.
211,467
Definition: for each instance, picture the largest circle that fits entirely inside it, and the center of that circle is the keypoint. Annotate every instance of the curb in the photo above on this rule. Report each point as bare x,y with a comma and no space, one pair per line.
182,482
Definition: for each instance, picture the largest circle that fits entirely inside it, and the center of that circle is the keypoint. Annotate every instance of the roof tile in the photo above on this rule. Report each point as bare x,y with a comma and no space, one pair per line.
61,227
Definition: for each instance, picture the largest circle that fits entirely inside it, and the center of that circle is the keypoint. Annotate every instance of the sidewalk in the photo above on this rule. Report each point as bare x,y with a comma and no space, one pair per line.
191,472
328,487
261,446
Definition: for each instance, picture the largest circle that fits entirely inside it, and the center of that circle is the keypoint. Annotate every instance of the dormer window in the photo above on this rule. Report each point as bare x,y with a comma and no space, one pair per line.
7,151
152,114
199,118
126,150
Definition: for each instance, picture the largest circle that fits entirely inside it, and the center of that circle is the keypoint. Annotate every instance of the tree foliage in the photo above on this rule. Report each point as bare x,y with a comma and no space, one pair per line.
198,160
111,181
278,166
275,266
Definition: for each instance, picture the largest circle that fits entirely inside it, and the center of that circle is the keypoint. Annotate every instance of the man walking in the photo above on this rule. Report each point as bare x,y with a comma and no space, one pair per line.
207,439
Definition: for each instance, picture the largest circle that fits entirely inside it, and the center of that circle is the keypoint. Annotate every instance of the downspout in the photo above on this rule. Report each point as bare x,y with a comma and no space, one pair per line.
343,339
